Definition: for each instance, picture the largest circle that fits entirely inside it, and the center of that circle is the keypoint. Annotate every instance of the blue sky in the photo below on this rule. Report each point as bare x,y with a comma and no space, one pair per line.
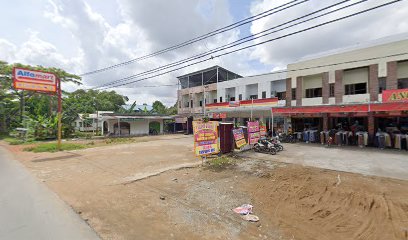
84,35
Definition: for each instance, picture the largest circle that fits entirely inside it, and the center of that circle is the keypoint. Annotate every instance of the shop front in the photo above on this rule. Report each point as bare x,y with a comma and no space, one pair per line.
240,112
370,121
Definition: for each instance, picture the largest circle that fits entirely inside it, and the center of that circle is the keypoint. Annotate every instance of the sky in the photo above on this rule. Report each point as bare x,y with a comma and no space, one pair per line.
85,35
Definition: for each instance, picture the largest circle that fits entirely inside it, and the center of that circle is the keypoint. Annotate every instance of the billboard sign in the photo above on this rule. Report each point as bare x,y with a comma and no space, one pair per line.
205,138
398,95
239,137
253,132
25,79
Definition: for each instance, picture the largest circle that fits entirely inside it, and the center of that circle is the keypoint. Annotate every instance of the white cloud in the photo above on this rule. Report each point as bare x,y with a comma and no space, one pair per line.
376,24
95,39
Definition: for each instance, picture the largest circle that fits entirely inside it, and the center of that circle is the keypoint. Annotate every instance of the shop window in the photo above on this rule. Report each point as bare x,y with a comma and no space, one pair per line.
353,89
191,103
331,93
253,96
313,92
402,83
293,93
240,97
220,99
281,95
381,84
263,94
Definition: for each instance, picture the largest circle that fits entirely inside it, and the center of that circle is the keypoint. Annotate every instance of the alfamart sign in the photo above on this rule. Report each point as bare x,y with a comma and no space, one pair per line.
395,95
25,79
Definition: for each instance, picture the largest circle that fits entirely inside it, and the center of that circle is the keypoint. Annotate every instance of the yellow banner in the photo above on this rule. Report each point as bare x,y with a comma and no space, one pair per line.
205,137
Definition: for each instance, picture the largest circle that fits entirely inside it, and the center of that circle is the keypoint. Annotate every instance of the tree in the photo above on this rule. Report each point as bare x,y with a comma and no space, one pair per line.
17,104
159,107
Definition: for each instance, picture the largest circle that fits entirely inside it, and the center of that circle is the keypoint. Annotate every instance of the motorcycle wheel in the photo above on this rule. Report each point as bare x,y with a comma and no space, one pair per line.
257,148
272,151
280,147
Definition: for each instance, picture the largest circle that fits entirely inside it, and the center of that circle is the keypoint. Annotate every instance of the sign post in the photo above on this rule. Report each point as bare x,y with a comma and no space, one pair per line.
41,82
59,116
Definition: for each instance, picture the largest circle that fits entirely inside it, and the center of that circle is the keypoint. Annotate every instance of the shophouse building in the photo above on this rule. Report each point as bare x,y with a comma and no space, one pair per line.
365,84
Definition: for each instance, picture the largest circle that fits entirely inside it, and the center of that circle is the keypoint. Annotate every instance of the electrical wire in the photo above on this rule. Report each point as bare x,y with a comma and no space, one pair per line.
207,35
238,42
264,42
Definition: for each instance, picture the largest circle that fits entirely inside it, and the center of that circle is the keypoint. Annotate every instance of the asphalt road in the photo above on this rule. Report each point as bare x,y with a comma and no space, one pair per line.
29,210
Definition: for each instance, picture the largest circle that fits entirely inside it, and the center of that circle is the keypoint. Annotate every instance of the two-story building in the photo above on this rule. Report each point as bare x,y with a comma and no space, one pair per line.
199,87
251,97
347,86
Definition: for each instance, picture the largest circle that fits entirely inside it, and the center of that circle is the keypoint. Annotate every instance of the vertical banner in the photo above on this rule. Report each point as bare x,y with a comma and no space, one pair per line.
253,132
239,137
205,138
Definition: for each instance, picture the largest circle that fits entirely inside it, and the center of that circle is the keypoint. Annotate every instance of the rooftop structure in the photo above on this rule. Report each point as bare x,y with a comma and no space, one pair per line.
206,76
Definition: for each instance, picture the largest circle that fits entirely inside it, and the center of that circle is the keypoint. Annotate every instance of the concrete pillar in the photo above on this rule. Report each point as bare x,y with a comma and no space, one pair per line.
392,78
373,82
338,86
299,91
325,87
325,122
370,127
288,92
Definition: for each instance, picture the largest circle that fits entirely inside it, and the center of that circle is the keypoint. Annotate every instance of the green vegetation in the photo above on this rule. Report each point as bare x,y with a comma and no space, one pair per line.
220,163
52,147
37,112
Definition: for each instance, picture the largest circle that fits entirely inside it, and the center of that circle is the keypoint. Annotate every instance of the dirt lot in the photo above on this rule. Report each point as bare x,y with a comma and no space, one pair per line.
118,190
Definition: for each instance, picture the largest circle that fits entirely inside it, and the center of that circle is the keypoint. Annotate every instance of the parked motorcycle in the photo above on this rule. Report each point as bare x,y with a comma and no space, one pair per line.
264,146
287,138
276,143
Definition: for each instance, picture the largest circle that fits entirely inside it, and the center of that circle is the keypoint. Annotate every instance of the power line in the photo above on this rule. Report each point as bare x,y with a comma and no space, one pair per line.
264,42
239,41
319,66
207,35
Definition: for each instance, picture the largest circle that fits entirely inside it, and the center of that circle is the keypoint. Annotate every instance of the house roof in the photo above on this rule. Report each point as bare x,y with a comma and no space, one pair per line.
138,107
136,116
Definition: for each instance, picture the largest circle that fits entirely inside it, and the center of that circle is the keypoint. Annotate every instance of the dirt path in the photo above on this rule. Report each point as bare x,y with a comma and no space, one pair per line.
109,189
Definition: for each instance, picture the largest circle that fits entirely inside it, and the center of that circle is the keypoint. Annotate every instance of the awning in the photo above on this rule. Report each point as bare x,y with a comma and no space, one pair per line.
357,108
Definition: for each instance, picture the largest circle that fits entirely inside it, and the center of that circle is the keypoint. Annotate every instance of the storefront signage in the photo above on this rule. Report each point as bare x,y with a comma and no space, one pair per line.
205,138
217,115
253,132
239,137
234,104
181,120
25,79
395,95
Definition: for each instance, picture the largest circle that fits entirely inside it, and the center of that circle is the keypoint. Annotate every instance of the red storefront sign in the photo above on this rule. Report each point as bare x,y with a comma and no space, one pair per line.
234,104
342,110
265,102
33,80
395,95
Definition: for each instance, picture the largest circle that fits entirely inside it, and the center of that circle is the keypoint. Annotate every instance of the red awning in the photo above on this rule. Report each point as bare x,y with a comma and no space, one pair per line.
375,107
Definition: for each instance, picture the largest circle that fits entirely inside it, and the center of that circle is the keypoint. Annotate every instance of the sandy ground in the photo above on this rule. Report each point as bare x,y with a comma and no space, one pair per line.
121,193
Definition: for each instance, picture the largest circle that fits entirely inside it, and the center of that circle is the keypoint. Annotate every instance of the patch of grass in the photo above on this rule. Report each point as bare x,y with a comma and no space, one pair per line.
220,163
15,141
52,147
